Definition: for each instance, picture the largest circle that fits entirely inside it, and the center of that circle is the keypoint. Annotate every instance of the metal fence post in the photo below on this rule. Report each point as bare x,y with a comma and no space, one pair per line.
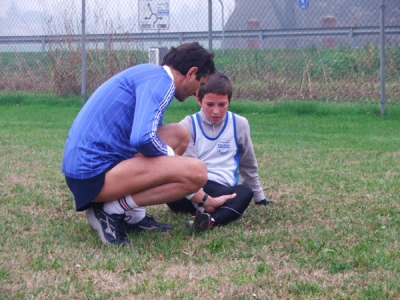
222,27
210,25
83,88
43,44
382,58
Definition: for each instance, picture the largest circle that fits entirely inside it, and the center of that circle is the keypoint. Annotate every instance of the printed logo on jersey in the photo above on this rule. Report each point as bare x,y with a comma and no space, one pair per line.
223,146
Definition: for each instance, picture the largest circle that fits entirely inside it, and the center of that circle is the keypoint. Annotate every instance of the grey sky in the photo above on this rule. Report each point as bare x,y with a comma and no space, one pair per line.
38,17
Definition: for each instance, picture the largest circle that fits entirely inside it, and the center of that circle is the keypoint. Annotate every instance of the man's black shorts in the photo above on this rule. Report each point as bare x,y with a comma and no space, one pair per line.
85,190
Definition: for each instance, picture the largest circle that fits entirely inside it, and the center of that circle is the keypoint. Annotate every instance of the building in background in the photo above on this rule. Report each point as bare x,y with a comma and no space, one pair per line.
286,14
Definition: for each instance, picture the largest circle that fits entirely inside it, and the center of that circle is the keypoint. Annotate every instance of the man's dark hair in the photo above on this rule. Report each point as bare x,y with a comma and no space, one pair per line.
189,55
218,83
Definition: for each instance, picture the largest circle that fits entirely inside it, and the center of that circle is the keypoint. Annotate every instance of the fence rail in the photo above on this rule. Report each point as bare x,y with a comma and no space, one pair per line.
189,36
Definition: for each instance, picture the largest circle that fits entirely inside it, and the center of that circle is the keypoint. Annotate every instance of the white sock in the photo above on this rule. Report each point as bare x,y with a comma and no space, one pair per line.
200,209
135,215
170,151
189,197
120,205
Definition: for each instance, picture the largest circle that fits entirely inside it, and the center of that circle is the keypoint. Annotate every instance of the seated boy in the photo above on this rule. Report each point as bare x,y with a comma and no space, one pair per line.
221,139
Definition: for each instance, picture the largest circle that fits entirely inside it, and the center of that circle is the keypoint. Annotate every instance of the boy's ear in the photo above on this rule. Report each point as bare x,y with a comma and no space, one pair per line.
198,99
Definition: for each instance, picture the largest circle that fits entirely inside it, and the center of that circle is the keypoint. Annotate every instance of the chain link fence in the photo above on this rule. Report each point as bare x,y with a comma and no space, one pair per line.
272,50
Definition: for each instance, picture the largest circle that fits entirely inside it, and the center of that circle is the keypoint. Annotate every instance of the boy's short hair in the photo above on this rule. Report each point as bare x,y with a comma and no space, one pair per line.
218,83
189,55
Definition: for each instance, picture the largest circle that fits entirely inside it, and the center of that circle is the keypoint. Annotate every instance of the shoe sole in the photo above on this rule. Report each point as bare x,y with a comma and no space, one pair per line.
131,229
94,222
140,229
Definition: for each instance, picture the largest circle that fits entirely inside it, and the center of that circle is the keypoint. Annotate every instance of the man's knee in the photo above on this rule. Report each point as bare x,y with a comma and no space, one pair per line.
197,173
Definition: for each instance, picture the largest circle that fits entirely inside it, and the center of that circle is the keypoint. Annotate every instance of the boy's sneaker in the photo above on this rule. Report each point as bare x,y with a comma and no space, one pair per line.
111,228
202,222
148,223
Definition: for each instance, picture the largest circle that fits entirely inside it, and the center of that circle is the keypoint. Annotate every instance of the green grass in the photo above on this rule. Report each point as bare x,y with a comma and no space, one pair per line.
332,233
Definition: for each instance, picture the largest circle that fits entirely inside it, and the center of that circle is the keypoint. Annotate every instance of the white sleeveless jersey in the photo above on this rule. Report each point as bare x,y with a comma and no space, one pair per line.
221,153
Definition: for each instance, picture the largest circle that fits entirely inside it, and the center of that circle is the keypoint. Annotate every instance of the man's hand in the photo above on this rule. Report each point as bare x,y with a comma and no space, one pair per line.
213,203
264,202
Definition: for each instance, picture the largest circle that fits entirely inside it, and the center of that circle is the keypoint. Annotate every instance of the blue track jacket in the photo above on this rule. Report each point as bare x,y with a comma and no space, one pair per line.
119,120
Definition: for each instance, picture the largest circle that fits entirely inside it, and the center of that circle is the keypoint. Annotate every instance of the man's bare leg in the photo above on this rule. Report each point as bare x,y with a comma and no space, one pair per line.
153,180
136,219
141,181
156,180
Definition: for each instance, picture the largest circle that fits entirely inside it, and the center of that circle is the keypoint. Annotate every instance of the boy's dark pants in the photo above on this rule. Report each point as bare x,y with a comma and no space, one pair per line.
230,211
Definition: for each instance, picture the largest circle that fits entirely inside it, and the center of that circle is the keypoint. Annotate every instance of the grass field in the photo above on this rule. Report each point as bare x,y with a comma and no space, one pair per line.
332,233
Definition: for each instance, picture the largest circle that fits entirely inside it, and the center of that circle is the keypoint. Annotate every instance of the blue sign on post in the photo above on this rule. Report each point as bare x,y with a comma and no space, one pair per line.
303,4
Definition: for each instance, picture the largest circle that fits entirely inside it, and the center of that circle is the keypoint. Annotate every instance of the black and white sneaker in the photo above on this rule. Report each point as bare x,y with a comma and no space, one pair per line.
201,222
111,228
148,223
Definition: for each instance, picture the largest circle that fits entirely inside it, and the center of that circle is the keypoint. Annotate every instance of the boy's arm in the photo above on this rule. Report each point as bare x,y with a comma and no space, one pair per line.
248,167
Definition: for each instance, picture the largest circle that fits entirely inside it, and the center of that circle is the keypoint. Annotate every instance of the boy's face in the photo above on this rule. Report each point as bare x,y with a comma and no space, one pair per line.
214,106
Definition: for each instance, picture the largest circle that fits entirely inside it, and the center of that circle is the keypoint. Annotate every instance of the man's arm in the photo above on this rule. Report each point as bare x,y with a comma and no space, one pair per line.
149,112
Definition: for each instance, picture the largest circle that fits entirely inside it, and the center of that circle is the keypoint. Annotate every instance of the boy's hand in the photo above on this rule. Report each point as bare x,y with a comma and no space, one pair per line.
213,203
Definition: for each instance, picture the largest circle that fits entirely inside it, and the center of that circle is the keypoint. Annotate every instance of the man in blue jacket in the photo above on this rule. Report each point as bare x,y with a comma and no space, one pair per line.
119,157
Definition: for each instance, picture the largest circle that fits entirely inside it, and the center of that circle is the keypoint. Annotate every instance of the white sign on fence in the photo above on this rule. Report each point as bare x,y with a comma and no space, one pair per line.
153,14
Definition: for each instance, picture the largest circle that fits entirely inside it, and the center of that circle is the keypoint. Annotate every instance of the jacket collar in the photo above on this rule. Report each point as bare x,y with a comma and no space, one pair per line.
205,120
